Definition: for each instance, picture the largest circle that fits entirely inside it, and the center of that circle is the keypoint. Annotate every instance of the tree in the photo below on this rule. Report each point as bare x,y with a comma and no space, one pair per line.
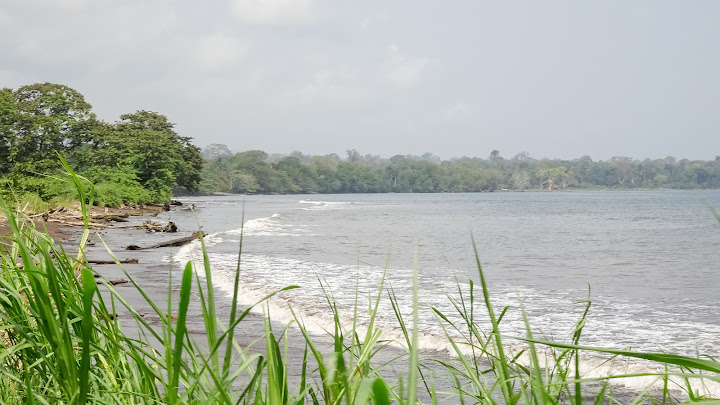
50,118
521,180
147,142
8,116
551,176
216,150
353,155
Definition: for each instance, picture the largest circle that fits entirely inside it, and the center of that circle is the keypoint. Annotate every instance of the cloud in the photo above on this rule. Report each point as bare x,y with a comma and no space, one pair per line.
218,52
272,11
402,70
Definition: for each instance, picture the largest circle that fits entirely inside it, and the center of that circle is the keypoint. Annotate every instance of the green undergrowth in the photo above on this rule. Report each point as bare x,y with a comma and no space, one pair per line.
62,343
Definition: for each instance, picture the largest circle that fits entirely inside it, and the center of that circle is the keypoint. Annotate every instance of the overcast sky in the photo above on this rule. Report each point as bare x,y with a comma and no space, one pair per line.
558,79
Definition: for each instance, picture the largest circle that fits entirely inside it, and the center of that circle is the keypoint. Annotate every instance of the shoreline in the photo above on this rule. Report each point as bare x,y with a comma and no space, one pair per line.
157,274
60,222
152,272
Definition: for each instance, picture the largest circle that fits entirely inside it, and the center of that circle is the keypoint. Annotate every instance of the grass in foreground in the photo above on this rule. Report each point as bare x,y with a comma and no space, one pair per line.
61,343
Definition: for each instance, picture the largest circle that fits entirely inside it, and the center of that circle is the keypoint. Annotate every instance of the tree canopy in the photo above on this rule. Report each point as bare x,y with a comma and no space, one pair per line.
257,172
140,152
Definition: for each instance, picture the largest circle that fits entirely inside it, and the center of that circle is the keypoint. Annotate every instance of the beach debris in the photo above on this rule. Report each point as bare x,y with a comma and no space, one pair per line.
114,281
124,261
172,243
152,226
111,315
112,218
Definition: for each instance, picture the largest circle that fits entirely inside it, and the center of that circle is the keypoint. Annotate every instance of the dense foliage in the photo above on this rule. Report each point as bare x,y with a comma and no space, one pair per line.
256,172
138,159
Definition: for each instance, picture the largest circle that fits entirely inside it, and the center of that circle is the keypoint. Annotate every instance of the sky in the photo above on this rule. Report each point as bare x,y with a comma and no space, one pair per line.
555,79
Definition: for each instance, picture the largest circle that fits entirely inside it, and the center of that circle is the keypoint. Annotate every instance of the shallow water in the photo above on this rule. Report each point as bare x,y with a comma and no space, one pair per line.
650,258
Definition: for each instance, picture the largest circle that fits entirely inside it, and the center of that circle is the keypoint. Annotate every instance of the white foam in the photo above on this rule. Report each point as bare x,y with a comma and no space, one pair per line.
268,226
262,275
324,205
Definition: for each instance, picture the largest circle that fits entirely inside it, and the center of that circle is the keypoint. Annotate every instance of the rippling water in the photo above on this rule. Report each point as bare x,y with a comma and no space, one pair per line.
651,259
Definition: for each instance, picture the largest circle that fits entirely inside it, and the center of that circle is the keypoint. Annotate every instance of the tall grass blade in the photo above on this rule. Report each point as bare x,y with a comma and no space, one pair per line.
413,363
181,330
89,287
503,372
227,359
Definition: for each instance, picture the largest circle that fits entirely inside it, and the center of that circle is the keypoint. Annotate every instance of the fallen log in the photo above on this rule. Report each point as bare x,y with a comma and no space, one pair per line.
108,218
172,243
115,281
72,223
44,215
124,261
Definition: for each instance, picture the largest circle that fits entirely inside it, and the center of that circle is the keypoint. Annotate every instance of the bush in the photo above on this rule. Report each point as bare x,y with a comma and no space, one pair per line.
113,195
45,188
117,186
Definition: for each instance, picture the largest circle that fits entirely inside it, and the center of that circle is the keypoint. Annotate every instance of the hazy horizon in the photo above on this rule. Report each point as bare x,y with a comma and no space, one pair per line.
557,79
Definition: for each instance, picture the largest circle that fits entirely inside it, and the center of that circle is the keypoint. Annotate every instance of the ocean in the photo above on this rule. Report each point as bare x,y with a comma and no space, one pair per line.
649,261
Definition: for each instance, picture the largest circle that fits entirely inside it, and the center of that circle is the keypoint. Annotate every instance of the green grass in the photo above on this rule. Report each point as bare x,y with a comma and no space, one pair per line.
61,343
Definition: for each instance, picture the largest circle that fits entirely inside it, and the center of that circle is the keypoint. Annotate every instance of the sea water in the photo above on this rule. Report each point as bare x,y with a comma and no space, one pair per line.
649,261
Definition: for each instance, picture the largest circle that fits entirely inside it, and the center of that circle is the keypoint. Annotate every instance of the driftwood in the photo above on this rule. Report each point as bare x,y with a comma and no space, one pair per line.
152,226
115,281
45,215
124,261
90,224
172,243
109,218
165,207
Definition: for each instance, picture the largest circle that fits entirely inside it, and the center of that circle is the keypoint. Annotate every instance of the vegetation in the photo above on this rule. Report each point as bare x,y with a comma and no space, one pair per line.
62,343
138,159
257,172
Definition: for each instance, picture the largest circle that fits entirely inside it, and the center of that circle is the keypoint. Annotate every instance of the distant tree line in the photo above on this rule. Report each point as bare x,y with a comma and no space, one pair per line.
140,158
137,159
257,172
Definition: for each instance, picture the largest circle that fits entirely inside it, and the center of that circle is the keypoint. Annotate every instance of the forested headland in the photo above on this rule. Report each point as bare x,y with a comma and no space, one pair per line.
135,160
141,159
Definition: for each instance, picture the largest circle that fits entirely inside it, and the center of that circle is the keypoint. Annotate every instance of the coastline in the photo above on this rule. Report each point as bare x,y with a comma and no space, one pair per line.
157,274
152,273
